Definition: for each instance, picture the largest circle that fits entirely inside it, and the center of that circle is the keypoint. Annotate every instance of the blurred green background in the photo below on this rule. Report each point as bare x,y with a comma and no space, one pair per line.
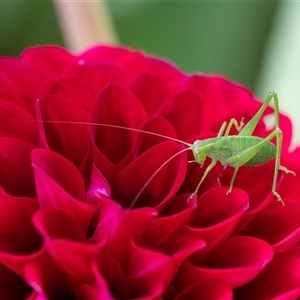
211,37
219,37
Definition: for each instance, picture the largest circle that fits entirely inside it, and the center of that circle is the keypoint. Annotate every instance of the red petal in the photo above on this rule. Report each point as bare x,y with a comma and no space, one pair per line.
183,106
145,288
287,232
104,165
75,258
110,280
144,141
163,185
288,187
16,176
49,280
60,186
195,173
98,187
256,181
74,88
18,236
20,242
140,218
234,262
159,67
60,137
54,224
98,74
230,99
211,289
64,236
287,128
180,247
50,59
115,105
160,229
116,228
271,284
146,263
177,205
20,83
151,98
12,286
17,123
106,54
217,214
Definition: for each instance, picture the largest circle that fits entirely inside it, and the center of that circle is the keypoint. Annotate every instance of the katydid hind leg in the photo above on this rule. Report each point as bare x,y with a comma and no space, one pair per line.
248,128
244,156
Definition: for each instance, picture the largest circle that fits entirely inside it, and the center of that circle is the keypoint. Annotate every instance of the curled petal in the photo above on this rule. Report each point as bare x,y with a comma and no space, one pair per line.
286,234
181,247
146,263
235,262
16,176
186,105
49,280
217,214
17,123
163,182
212,289
145,288
60,186
16,226
142,87
64,236
156,124
77,89
54,224
62,137
231,99
271,284
111,283
258,186
12,286
196,171
160,229
76,258
127,112
116,228
110,279
140,218
19,239
98,187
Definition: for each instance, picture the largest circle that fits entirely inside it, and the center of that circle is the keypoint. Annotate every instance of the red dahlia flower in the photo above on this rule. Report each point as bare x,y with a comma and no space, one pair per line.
80,218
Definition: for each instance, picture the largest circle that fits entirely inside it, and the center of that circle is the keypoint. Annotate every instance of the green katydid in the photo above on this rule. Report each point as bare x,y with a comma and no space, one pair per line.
243,149
238,150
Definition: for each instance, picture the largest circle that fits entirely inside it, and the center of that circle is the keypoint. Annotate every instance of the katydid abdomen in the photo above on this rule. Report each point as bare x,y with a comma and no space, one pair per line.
228,150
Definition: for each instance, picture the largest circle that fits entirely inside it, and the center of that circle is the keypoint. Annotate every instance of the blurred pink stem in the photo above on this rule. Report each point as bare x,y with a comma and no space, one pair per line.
85,23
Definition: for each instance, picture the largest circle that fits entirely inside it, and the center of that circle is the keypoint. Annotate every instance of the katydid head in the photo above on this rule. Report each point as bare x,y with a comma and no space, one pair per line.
199,152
